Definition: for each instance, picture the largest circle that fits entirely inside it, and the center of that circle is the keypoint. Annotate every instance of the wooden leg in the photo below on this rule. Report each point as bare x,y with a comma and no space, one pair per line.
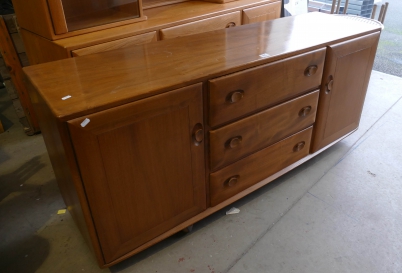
188,229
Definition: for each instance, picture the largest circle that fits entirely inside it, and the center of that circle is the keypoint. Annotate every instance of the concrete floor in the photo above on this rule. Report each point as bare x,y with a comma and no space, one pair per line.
339,212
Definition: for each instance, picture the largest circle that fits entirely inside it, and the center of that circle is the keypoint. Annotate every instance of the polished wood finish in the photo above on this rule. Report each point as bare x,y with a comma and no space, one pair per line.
257,166
262,13
248,135
58,17
147,4
214,23
143,99
224,204
121,43
40,50
151,178
347,68
103,13
62,157
260,90
36,18
87,79
10,57
158,18
33,15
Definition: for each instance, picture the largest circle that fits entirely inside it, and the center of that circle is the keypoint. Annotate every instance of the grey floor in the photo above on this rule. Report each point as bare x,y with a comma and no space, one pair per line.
339,212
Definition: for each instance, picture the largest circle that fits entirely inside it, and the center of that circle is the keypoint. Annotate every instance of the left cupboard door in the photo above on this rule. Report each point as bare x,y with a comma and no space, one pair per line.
142,166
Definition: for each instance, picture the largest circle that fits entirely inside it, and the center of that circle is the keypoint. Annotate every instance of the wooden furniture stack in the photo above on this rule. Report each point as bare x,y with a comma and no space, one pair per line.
149,139
12,59
59,29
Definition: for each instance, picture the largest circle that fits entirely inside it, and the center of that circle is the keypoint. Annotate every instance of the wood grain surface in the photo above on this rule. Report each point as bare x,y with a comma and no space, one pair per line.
214,23
121,43
142,167
170,64
348,65
58,17
263,86
12,62
260,130
262,13
258,166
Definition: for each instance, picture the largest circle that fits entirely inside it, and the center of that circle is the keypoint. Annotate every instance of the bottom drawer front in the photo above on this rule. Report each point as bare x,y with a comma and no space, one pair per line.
256,167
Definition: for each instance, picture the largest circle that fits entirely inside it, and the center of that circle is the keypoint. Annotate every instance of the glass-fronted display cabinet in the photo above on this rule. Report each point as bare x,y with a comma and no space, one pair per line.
54,19
81,14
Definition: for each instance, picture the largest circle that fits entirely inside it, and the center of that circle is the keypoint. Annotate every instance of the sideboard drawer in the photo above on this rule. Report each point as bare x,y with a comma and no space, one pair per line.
210,24
244,92
121,43
262,13
256,167
248,135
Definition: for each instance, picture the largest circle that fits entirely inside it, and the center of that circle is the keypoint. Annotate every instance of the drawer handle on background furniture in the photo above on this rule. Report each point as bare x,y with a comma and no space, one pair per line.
234,142
329,84
305,111
310,71
299,146
231,24
230,182
198,134
235,96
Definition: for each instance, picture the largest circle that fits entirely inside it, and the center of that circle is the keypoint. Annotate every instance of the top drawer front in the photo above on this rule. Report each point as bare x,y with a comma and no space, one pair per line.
238,94
209,24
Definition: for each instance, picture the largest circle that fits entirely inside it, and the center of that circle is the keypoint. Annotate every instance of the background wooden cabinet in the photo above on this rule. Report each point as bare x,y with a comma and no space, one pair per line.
142,168
347,72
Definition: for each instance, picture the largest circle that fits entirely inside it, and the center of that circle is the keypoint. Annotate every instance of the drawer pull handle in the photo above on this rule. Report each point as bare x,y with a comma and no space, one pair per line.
231,24
299,146
232,181
330,84
305,111
235,96
198,134
234,142
310,71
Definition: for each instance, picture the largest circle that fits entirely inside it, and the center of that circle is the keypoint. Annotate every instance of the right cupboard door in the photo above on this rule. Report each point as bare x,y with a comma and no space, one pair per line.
346,75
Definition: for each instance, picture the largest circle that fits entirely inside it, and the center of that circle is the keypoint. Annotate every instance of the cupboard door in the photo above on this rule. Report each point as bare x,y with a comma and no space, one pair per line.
346,75
142,167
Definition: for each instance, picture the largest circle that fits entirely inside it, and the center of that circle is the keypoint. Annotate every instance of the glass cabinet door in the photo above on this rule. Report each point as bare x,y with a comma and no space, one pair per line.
80,14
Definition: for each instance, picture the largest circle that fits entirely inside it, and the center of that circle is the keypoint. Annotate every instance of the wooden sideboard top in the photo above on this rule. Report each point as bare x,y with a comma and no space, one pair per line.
100,81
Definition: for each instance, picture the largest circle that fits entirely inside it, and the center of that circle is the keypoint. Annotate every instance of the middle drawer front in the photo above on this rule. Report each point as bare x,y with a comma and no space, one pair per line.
246,172
248,135
244,92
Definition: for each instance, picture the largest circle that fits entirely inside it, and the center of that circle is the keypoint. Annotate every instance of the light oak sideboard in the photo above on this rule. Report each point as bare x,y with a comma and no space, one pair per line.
147,140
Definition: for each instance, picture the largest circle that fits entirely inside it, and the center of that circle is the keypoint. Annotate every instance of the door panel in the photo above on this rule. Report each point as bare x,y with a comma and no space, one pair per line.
142,170
345,80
